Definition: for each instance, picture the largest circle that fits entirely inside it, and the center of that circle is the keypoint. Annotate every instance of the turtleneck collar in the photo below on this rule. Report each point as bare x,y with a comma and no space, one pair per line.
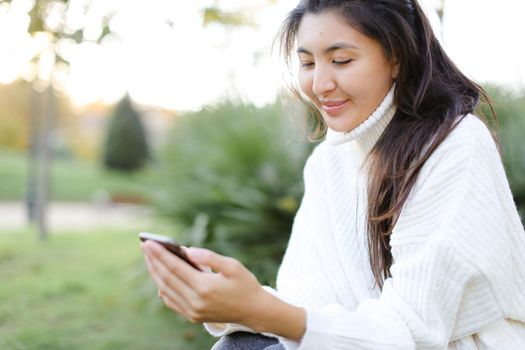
368,132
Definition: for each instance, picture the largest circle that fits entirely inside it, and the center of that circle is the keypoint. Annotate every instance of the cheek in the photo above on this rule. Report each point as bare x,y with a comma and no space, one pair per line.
305,84
350,81
365,81
383,73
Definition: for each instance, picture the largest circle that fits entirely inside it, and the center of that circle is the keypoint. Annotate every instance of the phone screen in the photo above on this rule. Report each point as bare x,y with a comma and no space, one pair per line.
169,244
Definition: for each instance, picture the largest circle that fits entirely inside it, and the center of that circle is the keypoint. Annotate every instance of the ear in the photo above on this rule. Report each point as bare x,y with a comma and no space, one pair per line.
395,68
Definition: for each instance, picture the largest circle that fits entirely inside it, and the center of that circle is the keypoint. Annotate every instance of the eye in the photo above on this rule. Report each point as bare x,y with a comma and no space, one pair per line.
307,64
341,63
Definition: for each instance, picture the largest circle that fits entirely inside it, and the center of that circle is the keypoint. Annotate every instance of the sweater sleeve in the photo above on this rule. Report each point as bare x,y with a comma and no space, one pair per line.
438,266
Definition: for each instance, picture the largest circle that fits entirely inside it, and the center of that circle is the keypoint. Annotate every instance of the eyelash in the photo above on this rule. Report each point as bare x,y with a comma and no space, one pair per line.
339,63
343,62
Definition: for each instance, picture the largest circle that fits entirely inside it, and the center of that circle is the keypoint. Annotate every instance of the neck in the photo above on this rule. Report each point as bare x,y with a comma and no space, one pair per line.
368,132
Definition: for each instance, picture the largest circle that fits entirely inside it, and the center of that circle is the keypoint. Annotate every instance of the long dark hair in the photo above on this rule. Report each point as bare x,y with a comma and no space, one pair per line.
432,96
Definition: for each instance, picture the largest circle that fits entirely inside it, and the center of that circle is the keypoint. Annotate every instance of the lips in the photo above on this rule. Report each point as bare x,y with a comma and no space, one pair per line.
333,107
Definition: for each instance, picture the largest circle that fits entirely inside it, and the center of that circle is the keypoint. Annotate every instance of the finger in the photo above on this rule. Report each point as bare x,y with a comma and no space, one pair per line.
171,297
172,304
160,276
177,303
223,264
170,284
204,268
152,272
175,264
148,264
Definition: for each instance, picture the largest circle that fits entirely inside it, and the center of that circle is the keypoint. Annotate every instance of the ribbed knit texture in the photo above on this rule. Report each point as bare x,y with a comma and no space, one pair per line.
458,277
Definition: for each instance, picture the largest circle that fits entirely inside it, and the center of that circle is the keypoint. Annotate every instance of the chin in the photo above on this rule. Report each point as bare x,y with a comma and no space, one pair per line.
339,125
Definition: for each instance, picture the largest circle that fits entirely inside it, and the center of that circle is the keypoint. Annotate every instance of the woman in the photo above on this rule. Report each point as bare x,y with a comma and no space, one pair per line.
407,236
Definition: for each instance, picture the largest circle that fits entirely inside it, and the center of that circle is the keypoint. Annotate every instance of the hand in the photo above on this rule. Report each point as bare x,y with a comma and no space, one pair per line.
229,295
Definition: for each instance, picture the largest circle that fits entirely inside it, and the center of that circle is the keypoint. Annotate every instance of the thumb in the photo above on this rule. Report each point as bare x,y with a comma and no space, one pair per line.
193,260
217,262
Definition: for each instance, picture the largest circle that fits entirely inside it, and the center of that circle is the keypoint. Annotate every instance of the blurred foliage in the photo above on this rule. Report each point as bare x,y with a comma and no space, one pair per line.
84,142
510,111
15,113
54,18
240,17
50,16
230,178
126,147
216,15
51,19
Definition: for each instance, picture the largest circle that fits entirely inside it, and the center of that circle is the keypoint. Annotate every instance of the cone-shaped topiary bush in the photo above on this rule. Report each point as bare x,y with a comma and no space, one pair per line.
126,147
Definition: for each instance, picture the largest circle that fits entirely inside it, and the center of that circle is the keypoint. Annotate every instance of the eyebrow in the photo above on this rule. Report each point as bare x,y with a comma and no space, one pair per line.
332,48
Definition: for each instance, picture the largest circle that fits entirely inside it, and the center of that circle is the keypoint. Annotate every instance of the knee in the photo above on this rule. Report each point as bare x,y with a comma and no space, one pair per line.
228,342
219,345
243,341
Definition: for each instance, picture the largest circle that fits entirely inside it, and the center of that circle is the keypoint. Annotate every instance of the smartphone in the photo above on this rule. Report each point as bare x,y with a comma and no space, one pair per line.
169,244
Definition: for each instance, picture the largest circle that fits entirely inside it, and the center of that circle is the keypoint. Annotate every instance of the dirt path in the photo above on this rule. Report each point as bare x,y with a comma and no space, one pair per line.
77,216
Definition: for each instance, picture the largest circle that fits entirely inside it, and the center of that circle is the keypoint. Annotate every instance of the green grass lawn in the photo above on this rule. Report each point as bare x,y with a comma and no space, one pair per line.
84,291
72,180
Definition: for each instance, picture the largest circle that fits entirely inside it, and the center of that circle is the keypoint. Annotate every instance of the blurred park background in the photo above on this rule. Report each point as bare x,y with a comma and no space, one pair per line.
171,117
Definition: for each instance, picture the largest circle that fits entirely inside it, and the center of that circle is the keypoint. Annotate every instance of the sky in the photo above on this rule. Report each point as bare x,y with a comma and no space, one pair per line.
186,66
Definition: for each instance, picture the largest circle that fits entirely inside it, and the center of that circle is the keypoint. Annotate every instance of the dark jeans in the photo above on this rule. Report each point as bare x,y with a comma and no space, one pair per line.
247,341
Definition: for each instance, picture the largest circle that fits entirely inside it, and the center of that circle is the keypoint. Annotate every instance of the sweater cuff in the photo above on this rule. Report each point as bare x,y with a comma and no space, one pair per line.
309,339
218,329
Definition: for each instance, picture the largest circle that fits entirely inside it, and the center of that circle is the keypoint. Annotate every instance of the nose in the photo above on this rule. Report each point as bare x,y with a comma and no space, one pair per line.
324,80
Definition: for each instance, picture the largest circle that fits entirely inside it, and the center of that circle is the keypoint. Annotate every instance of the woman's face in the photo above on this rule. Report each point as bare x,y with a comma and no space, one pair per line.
344,73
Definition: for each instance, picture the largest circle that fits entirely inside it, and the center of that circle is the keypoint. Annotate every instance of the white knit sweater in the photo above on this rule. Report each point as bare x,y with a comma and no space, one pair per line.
458,273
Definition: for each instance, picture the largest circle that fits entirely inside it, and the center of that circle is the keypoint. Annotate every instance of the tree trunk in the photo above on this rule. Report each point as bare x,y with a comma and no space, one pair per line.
44,169
32,161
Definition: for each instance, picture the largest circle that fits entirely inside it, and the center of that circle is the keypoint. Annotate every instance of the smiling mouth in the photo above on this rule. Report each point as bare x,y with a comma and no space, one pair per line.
333,108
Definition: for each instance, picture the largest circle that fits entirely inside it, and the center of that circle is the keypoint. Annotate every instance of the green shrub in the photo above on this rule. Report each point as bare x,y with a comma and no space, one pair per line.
126,146
510,110
231,180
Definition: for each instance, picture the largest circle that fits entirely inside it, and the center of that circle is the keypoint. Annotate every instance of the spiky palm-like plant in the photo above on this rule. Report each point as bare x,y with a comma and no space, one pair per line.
231,180
510,110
